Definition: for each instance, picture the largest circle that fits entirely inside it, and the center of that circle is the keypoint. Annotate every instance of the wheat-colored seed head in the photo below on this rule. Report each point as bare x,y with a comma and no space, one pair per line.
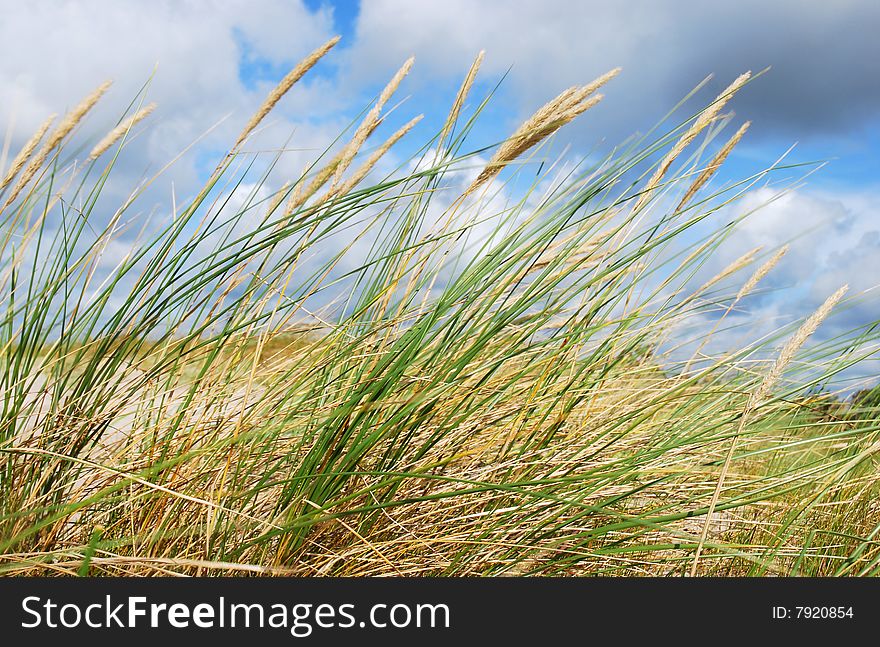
367,166
463,91
714,165
301,194
544,122
597,83
767,384
794,344
55,138
75,116
761,272
117,133
732,268
700,123
747,287
279,196
283,87
368,125
25,153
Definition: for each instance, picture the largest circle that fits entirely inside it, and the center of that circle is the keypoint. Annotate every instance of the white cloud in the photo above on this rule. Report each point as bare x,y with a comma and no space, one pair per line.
834,240
827,233
53,54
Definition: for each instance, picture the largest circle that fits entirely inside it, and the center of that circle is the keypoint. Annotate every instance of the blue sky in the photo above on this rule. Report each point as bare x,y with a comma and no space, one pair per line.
214,62
852,149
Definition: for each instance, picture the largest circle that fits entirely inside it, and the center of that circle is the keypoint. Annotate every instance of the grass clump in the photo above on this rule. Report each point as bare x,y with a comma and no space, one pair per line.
486,391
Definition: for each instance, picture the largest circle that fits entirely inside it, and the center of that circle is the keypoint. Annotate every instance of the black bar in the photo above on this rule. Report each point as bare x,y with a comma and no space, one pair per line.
514,610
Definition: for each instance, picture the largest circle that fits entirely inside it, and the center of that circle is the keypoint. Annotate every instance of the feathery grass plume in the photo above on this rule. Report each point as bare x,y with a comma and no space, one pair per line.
761,272
460,97
368,125
704,119
600,81
25,153
746,289
71,119
301,195
714,165
282,88
732,268
543,123
114,135
367,166
76,115
279,197
792,347
756,399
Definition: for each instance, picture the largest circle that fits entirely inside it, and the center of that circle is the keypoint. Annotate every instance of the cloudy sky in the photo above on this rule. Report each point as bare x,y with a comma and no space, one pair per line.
210,63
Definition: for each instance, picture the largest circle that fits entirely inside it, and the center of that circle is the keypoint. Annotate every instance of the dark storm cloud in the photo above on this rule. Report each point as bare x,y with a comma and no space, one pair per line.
825,59
825,76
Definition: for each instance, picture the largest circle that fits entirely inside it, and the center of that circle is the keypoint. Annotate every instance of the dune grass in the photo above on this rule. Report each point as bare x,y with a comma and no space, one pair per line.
361,374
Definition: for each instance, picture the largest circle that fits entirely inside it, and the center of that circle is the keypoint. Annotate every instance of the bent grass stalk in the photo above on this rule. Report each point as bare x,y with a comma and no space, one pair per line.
699,124
757,398
744,291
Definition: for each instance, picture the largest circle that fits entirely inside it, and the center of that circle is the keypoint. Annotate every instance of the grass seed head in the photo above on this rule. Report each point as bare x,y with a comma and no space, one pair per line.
373,159
544,122
25,153
704,119
714,165
761,272
282,88
368,125
71,119
460,97
793,346
117,133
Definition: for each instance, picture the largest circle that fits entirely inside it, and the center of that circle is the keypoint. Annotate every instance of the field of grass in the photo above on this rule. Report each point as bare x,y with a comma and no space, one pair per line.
366,374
